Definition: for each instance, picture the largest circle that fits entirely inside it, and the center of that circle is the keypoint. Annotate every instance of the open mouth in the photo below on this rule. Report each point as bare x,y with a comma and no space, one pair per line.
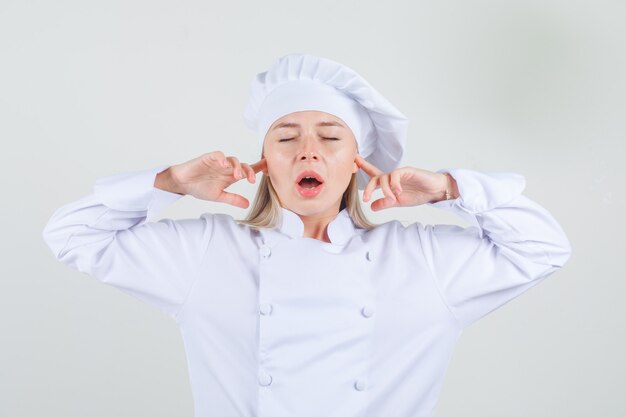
309,183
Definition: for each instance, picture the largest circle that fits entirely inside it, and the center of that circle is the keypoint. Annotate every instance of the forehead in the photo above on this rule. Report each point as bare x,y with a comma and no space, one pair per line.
307,117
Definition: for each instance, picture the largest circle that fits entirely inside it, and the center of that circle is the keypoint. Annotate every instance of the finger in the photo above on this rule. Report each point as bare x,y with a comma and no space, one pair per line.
250,174
259,166
395,182
382,203
372,184
233,199
237,171
370,169
384,184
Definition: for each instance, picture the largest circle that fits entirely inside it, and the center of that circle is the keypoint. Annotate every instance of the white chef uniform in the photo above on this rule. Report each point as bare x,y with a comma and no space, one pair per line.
279,325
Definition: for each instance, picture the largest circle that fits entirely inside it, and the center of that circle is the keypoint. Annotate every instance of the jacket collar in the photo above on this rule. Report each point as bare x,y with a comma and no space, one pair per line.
340,229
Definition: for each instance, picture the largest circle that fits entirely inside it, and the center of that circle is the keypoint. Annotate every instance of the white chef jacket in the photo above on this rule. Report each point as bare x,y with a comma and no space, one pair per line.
279,325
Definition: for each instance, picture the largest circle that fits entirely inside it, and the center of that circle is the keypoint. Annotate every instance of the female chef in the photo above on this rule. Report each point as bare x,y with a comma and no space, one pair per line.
305,308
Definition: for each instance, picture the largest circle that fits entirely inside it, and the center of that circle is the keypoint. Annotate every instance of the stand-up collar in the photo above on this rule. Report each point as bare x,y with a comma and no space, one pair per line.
340,229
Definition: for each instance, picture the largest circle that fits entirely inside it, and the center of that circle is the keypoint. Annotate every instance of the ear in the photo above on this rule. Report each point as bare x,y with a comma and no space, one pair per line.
355,167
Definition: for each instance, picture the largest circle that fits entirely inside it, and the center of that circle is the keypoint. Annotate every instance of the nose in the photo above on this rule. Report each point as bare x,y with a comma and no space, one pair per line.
308,151
312,156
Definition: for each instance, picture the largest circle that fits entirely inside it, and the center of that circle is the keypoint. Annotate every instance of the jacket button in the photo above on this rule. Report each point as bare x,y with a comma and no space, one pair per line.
265,251
265,309
367,311
265,379
369,256
360,384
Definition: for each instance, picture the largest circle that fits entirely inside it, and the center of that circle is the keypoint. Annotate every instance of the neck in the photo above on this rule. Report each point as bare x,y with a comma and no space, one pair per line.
316,225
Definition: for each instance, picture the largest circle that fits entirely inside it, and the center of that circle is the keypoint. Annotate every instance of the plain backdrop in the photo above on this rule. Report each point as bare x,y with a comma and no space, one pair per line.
89,89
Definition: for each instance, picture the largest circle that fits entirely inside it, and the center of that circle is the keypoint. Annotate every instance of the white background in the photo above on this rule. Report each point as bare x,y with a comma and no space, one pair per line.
89,89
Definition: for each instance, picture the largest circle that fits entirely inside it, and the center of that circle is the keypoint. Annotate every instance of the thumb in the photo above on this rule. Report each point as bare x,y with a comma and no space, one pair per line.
233,199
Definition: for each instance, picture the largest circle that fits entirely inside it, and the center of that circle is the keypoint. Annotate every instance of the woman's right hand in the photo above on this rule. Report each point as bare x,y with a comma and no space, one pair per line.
207,176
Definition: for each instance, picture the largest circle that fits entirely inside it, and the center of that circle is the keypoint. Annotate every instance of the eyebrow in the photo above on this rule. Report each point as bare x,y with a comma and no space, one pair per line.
286,124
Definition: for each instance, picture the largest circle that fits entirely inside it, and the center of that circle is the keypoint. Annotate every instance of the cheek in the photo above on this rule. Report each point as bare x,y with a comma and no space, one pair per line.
278,169
343,163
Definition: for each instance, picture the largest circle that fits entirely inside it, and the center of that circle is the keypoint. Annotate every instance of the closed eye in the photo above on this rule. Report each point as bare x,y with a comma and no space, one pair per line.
287,139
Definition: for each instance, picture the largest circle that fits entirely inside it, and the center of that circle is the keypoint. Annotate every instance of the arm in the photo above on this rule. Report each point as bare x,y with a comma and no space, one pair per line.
512,244
110,236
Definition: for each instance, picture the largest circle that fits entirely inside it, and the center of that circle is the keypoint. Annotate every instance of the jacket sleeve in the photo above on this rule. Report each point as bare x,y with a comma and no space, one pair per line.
110,236
511,245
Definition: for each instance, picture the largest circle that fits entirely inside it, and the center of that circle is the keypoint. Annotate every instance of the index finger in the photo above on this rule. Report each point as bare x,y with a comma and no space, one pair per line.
259,166
370,169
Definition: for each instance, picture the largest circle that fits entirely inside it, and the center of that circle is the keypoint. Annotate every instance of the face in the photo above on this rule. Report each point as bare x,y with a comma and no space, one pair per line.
311,143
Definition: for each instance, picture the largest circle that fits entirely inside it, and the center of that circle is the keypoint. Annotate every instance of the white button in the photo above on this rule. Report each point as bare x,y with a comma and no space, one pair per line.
265,309
367,311
360,384
265,251
265,379
369,256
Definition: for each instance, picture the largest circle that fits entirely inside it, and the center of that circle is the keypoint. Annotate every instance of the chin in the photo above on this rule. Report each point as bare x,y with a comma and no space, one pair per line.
310,208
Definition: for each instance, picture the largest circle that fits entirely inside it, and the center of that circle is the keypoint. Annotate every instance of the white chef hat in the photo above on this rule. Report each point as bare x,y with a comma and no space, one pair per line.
299,82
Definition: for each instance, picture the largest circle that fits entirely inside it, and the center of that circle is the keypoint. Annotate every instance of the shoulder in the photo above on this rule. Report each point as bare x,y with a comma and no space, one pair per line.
406,233
225,224
393,230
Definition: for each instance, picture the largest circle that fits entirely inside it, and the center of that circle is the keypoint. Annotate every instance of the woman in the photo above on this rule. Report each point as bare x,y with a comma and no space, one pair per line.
305,308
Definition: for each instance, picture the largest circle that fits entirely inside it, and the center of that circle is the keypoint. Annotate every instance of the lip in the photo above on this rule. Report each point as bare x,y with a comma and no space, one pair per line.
309,192
309,173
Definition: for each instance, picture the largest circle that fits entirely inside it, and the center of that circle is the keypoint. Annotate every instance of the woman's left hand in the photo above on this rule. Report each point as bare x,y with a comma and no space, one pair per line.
406,186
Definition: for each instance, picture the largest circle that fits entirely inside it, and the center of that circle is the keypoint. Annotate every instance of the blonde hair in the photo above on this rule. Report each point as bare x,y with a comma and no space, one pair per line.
266,208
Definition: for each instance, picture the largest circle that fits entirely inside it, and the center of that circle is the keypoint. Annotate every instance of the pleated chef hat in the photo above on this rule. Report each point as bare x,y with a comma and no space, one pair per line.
299,82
